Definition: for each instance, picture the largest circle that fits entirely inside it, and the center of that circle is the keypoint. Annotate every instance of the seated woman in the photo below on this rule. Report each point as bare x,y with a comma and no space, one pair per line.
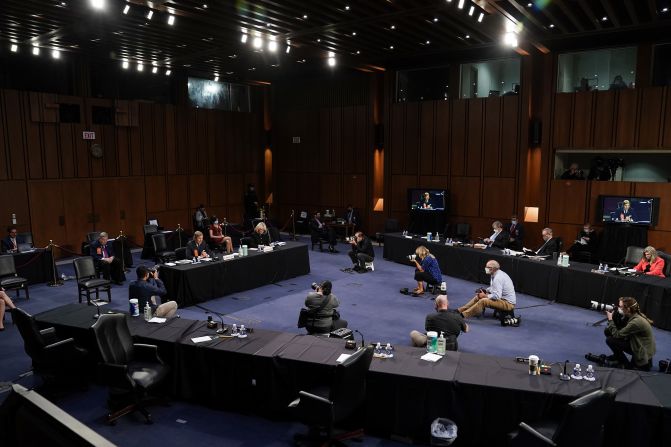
5,302
650,263
322,304
217,236
427,269
197,248
260,235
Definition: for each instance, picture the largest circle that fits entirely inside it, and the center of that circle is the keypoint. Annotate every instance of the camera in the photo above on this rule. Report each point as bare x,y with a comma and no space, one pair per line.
350,239
315,286
412,257
509,320
595,305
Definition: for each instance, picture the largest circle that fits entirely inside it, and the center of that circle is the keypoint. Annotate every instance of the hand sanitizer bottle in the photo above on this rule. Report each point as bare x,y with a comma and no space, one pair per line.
440,347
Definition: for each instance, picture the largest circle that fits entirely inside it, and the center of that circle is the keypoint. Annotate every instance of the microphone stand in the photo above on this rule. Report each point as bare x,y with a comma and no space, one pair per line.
97,305
55,282
562,375
179,234
363,344
222,329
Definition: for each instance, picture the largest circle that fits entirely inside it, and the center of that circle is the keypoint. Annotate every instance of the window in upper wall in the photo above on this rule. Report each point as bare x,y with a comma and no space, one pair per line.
218,95
609,69
661,66
423,84
490,78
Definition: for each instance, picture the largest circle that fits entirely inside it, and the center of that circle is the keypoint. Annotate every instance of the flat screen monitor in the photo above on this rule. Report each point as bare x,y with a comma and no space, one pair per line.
429,200
632,210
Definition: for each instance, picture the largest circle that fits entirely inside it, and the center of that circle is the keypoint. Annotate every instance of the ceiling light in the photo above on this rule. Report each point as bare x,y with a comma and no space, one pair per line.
604,18
150,14
510,39
331,61
319,40
435,19
552,25
529,5
272,44
358,52
124,64
305,16
171,20
665,9
168,72
154,70
471,11
204,5
392,27
481,16
353,33
257,42
346,8
468,36
126,9
428,42
98,4
14,48
391,47
55,54
140,67
36,51
243,39
461,4
216,78
288,47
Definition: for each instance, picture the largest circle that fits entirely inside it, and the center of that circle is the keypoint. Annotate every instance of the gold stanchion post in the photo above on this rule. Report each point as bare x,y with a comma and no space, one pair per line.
55,280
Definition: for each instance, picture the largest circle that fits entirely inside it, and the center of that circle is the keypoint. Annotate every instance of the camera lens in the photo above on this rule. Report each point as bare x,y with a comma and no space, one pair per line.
314,286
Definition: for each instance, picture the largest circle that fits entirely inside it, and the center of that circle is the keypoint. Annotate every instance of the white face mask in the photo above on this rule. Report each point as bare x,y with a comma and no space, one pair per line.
620,311
586,230
514,222
488,270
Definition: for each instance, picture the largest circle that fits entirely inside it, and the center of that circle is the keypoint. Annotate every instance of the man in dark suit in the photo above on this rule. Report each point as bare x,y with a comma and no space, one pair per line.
516,231
499,237
146,290
321,230
550,244
587,241
111,267
351,216
10,244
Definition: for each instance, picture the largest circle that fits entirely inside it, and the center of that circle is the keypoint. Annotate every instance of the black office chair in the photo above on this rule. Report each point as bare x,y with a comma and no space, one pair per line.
53,358
667,262
302,220
633,256
9,278
150,229
162,253
316,238
88,280
322,407
390,226
181,253
581,425
462,232
246,240
130,370
90,238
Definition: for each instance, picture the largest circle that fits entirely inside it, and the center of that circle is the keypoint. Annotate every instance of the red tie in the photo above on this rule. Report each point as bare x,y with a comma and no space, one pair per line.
104,251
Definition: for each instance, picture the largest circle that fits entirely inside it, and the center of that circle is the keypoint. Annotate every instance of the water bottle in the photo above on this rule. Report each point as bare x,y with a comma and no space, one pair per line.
389,351
589,374
577,372
605,267
147,312
378,350
243,331
437,237
443,287
601,267
234,330
240,251
440,344
194,261
428,237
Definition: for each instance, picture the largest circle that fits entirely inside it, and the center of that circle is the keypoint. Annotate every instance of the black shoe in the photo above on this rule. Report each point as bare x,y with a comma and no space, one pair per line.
356,268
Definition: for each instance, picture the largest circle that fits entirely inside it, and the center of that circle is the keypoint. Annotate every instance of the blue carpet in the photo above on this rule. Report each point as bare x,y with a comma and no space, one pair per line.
371,302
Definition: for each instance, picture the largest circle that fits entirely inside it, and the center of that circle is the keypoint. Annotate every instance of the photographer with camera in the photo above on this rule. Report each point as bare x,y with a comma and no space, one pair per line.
146,290
362,251
450,323
426,270
573,173
500,294
322,306
635,337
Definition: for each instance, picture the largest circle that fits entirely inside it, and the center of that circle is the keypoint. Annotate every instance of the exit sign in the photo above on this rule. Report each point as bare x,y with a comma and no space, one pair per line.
89,135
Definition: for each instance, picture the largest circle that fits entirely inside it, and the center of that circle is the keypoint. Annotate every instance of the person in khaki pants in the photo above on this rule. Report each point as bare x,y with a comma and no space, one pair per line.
500,294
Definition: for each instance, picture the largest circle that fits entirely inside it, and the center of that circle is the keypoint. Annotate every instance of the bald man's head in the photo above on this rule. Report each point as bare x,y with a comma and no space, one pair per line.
442,302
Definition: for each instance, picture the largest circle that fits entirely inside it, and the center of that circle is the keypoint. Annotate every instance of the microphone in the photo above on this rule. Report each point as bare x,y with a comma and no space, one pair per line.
563,375
223,328
363,345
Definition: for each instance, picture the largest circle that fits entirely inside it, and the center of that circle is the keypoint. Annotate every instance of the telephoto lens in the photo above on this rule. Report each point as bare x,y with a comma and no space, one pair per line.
314,286
412,257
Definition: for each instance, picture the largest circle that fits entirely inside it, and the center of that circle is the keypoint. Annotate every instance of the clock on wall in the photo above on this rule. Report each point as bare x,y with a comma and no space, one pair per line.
96,150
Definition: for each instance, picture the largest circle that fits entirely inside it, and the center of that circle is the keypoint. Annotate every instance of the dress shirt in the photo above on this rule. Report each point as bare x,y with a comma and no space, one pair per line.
501,287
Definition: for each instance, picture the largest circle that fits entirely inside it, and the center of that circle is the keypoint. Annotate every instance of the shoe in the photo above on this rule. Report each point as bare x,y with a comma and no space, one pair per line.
356,268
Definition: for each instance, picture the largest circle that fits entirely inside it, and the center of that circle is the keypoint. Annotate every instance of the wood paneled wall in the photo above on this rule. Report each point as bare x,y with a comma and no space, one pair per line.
159,161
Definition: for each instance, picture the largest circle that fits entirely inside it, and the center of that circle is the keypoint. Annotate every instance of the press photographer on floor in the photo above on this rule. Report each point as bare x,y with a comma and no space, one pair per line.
322,309
362,251
633,335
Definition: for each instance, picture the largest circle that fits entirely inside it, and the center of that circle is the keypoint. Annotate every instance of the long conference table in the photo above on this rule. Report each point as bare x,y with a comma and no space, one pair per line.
190,284
35,265
576,285
486,396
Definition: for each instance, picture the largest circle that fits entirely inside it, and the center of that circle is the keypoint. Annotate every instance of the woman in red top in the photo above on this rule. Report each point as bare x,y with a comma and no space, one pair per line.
651,264
217,237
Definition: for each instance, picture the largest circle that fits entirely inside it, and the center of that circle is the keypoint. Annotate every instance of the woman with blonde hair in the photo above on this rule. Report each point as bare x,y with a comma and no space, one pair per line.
651,263
426,270
261,236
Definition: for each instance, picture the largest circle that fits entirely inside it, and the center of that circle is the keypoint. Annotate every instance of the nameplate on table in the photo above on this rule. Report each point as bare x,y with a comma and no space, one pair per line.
229,257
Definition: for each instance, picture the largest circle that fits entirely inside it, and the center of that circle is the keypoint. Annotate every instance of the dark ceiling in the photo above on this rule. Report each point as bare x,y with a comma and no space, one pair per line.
363,34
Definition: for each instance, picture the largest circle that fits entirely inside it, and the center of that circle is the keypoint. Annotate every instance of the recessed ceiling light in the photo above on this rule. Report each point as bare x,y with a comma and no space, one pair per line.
358,52
36,51
275,65
665,9
604,18
98,4
257,42
140,66
346,8
232,56
468,36
481,16
305,16
124,64
552,25
319,40
216,78
428,42
204,5
331,62
272,44
14,48
171,20
126,9
353,33
252,69
55,54
392,27
150,14
168,72
230,72
391,47
435,19
288,50
529,5
154,70
461,4
471,11
243,38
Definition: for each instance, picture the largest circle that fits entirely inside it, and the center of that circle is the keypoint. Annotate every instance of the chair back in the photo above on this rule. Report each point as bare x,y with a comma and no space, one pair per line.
113,339
584,419
180,253
85,268
463,230
160,244
7,266
150,229
348,390
634,255
248,241
391,226
667,262
92,236
33,342
25,238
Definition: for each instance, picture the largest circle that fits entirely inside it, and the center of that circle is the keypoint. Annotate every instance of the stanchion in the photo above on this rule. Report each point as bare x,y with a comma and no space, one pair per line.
55,281
225,226
179,234
293,226
122,239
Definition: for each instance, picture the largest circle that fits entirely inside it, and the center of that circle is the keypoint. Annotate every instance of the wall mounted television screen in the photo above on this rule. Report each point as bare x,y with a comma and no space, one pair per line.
427,199
624,209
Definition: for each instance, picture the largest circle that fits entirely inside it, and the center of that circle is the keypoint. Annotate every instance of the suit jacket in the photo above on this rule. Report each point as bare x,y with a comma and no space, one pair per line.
144,290
502,240
549,247
354,219
364,246
517,232
97,250
191,246
260,239
315,225
8,245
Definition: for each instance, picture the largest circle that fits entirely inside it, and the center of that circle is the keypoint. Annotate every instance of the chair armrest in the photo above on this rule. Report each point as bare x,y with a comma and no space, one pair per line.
314,397
65,350
49,335
528,436
116,375
146,352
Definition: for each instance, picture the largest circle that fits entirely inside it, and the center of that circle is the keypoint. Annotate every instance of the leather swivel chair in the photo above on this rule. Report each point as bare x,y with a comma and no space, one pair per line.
162,253
8,277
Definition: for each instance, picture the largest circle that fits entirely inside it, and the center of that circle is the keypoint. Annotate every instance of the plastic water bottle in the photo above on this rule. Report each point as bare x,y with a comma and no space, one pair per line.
601,267
589,374
605,267
147,312
243,331
378,350
234,329
577,372
389,351
194,261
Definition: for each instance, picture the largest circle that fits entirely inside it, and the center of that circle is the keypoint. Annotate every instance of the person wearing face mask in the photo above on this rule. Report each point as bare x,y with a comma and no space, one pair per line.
499,237
550,244
586,241
500,294
635,338
651,263
516,231
217,236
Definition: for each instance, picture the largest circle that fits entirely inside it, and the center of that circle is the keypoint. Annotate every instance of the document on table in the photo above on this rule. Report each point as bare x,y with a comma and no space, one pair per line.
157,320
201,339
431,357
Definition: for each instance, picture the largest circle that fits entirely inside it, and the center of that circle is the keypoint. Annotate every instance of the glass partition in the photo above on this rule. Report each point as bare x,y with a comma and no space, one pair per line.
490,78
609,69
218,95
423,84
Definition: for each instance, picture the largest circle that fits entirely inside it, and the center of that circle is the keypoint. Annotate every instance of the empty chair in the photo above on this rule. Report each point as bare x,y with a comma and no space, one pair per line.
633,256
9,279
581,425
88,280
248,241
162,253
181,253
131,371
336,399
462,231
150,229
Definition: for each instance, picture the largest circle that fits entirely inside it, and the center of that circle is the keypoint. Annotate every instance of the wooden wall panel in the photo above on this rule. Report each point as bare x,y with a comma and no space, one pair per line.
110,164
582,119
177,188
34,151
567,202
47,213
511,119
604,115
330,186
562,120
156,193
348,147
663,191
465,196
82,153
218,190
362,137
106,205
395,144
458,133
51,154
650,119
197,191
77,206
625,123
4,152
426,138
492,131
14,201
504,204
123,152
355,192
412,138
335,163
666,124
159,137
14,134
399,192
442,137
170,140
132,209
475,125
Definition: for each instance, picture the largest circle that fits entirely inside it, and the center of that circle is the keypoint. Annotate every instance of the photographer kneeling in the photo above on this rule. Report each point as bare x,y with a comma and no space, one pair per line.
322,306
635,337
427,269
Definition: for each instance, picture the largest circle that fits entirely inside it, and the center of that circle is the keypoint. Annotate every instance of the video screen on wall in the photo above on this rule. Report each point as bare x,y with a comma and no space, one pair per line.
634,210
427,199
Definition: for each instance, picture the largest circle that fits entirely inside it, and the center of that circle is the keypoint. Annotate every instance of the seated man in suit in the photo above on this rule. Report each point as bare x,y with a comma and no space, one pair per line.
499,237
516,231
10,244
146,290
586,241
323,231
260,236
111,267
351,216
550,244
196,247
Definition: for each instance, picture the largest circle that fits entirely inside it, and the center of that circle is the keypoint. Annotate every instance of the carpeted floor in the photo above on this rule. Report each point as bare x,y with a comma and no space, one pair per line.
371,302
